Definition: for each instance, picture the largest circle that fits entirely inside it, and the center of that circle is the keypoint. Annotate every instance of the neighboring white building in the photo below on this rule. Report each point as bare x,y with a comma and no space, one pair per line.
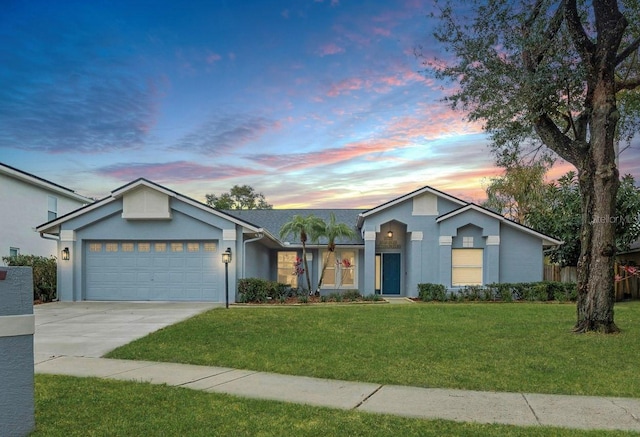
27,201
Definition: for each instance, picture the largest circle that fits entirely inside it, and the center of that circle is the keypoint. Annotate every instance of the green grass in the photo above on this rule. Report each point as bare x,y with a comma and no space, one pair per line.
68,406
500,347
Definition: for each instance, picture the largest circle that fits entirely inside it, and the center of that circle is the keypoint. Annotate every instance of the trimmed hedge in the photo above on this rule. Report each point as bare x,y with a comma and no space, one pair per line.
506,292
44,274
260,290
431,292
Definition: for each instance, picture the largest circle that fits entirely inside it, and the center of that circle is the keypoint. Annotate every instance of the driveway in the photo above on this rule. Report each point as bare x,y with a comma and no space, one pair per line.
91,329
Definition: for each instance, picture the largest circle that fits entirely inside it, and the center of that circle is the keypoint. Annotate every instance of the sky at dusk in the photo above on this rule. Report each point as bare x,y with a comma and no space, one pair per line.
316,104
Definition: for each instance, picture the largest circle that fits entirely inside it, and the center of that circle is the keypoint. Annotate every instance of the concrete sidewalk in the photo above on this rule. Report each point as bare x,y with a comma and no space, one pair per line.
519,409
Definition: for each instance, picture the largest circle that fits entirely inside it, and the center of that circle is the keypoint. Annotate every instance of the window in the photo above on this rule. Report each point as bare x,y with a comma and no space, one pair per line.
144,247
14,251
193,247
287,269
127,247
209,247
52,208
466,267
177,247
111,247
160,247
341,269
95,247
467,241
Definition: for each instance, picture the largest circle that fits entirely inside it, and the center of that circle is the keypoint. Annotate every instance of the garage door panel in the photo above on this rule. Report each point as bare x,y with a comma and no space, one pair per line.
151,270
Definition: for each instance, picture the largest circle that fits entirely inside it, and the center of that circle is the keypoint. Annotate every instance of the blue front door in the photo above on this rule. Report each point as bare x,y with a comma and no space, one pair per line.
390,273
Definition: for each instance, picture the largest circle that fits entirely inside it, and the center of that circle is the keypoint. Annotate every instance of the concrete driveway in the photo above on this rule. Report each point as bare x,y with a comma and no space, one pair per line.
91,329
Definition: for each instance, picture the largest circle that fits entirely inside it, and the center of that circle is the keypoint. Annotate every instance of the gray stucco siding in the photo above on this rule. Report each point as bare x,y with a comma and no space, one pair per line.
259,261
521,256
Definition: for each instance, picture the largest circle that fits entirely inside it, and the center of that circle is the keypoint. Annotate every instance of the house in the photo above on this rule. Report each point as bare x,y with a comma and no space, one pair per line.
26,201
147,242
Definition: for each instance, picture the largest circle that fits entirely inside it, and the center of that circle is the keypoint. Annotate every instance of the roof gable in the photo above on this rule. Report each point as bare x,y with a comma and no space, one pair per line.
147,187
42,183
413,194
546,240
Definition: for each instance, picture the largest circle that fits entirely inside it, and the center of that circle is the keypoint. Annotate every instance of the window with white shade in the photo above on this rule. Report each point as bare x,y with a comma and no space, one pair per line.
341,269
287,268
466,267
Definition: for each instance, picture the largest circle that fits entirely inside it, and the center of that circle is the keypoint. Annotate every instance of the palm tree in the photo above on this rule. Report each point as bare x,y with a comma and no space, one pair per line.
332,231
304,227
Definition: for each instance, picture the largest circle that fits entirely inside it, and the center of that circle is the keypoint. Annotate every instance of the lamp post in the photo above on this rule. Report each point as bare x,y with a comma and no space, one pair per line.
226,259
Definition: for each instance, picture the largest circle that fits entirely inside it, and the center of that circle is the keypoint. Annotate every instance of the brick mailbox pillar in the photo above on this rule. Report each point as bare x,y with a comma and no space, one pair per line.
17,325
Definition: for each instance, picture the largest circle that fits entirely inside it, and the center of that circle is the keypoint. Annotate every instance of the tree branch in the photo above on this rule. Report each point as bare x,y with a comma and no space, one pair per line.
555,139
628,51
585,46
630,84
550,33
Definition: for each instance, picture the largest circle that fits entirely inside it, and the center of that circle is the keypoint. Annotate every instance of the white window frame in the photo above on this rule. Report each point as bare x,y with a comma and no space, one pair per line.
337,282
467,242
285,267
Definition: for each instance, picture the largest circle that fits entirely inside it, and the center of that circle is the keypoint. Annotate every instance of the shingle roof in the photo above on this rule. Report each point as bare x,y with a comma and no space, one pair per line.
273,219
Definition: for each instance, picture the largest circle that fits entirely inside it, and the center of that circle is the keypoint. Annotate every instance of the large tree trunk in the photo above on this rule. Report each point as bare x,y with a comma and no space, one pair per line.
598,186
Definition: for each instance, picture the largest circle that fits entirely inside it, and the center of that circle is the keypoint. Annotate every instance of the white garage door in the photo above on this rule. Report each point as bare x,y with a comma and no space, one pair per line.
152,270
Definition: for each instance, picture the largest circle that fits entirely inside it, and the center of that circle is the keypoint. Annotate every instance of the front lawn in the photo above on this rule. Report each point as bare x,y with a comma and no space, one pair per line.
68,407
519,347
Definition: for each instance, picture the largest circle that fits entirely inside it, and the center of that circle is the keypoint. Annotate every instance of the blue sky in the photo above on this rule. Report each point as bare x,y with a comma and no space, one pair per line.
314,103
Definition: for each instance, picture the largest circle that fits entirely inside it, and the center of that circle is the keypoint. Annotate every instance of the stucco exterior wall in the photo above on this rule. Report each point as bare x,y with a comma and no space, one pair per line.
24,206
521,258
17,414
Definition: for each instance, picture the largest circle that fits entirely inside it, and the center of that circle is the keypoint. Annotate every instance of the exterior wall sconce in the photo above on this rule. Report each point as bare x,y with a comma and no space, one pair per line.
390,234
66,256
226,259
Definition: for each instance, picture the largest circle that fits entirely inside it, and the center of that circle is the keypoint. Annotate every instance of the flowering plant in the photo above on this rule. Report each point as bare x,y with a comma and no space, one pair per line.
345,263
629,272
298,269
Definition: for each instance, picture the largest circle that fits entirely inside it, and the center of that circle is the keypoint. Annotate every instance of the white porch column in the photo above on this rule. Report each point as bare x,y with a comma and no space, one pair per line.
369,263
445,260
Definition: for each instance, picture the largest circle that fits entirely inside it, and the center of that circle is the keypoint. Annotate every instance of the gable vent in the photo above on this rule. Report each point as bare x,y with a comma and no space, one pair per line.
146,204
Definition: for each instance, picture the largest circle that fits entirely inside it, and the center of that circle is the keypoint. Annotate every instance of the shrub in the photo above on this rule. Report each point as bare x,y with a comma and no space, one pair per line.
44,274
335,297
351,295
260,290
430,292
372,297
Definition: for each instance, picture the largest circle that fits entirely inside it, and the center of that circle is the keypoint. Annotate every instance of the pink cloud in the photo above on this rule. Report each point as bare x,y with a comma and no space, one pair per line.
213,57
179,171
381,31
330,49
345,86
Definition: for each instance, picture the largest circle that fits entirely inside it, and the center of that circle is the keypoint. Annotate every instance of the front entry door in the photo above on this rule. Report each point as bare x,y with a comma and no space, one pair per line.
390,273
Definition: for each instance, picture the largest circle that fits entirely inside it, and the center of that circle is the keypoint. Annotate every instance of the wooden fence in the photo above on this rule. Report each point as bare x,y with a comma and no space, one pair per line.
627,280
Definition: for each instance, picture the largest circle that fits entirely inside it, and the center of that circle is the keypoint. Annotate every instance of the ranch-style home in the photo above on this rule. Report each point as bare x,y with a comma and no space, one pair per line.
147,242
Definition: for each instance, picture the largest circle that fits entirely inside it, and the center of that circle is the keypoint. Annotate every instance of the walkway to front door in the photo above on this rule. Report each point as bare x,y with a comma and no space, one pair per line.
390,273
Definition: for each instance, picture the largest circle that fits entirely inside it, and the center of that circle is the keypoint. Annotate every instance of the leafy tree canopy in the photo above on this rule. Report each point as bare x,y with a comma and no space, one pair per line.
560,73
239,197
558,214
